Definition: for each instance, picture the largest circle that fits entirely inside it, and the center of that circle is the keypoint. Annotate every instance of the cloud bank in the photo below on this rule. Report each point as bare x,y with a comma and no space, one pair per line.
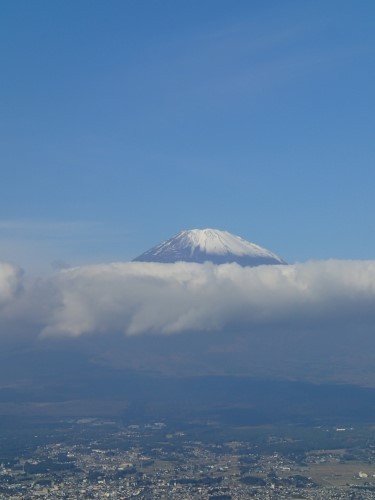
147,298
10,282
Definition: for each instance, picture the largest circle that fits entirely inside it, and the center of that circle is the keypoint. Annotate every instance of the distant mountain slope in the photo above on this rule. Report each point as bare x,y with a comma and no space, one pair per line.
213,245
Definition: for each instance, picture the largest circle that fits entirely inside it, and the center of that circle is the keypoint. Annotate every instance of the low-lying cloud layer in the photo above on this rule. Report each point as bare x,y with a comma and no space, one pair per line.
147,298
10,282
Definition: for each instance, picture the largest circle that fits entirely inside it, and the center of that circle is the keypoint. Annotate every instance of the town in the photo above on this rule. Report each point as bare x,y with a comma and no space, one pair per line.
95,458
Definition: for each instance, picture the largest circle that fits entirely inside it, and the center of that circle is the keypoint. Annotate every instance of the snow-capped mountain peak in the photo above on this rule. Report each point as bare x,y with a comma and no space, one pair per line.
219,247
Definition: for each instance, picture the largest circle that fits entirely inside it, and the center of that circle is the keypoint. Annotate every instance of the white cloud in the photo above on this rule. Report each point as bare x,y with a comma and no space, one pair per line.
146,298
306,320
139,298
10,282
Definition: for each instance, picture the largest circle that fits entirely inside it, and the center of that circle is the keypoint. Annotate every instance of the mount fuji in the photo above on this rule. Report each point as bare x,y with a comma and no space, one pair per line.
213,245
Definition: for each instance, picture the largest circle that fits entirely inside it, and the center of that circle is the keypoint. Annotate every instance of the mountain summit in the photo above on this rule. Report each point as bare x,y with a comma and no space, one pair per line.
201,245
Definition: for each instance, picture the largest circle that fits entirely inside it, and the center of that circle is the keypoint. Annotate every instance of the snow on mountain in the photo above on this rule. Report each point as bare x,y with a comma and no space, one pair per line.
201,245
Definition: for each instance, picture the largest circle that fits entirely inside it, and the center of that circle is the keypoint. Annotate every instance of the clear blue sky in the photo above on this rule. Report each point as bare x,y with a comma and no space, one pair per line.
122,122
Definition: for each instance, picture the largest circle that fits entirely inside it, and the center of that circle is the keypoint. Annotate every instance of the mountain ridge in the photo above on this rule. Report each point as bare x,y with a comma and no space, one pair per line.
213,245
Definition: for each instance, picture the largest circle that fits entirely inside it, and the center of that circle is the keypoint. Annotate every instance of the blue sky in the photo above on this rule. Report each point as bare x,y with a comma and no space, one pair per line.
123,122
